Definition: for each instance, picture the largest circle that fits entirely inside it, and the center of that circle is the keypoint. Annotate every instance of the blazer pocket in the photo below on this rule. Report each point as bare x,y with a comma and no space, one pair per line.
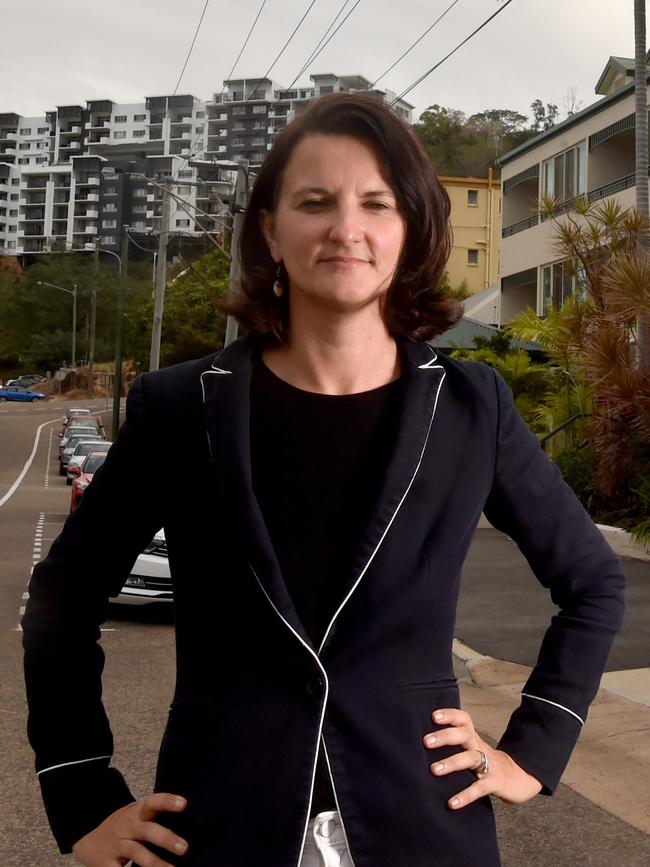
436,683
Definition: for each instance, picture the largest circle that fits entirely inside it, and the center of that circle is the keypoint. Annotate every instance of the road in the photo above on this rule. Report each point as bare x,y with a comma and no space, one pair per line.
566,829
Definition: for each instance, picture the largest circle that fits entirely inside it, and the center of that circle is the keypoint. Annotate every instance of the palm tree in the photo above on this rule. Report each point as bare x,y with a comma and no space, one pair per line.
641,128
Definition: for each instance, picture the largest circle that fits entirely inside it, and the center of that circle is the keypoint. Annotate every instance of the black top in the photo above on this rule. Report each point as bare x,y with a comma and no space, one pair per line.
317,462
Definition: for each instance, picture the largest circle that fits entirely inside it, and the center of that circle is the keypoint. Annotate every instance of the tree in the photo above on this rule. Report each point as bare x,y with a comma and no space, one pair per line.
544,116
593,338
570,101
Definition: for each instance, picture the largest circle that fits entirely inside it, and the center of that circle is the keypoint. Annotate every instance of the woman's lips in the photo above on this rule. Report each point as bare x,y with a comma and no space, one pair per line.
347,261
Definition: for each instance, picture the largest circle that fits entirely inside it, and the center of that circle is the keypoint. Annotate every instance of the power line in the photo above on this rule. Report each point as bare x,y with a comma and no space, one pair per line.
259,12
196,33
453,51
282,50
318,50
417,41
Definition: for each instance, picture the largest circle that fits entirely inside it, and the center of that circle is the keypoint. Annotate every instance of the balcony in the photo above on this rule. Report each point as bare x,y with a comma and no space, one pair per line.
91,181
520,226
87,215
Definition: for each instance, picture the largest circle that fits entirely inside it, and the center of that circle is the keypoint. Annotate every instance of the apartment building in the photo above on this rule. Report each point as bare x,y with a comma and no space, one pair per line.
591,153
70,176
476,228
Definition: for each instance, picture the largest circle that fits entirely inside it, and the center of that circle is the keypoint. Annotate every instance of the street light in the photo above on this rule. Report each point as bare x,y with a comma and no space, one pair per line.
72,292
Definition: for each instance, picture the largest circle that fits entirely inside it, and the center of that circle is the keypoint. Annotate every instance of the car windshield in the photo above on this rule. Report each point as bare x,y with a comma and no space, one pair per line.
83,422
77,411
93,463
74,441
84,447
78,431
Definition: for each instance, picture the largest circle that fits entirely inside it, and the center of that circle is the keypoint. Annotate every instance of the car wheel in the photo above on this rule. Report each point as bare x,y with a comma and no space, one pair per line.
32,399
68,481
62,470
3,399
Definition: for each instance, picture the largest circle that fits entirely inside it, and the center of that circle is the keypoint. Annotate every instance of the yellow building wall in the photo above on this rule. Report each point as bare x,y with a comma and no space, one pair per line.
476,228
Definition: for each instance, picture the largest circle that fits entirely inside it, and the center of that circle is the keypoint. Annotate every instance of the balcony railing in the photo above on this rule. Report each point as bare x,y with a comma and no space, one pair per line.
521,226
613,188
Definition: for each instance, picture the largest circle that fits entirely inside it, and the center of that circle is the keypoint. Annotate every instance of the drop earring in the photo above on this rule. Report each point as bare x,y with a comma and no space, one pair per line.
278,288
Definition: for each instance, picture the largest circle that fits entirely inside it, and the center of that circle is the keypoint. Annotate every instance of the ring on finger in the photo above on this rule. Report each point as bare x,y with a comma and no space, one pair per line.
483,768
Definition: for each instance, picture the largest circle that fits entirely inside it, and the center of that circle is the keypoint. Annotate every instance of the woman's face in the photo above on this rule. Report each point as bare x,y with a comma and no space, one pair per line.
336,226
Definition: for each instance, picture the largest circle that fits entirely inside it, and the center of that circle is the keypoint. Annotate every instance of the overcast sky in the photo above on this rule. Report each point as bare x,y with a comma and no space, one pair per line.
61,52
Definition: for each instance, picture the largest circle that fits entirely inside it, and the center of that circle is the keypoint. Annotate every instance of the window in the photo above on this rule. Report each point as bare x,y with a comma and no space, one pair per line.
139,133
183,190
120,134
24,146
43,130
472,198
198,129
11,245
13,197
199,115
564,176
23,161
472,257
138,209
26,130
119,118
139,118
110,208
259,109
109,224
42,145
327,89
12,228
110,190
185,173
139,192
15,182
183,223
41,160
238,109
13,212
557,284
109,239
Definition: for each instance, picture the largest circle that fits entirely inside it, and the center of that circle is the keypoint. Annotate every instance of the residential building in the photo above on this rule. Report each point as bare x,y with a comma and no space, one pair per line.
476,227
591,153
69,177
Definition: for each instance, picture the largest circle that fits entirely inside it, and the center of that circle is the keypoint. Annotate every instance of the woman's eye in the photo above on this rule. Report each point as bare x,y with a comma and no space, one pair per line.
313,203
378,206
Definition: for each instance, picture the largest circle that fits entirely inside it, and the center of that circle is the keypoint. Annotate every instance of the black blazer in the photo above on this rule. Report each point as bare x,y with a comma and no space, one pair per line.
253,697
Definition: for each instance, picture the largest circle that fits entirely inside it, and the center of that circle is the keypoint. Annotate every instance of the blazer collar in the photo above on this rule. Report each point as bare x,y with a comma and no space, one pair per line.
226,395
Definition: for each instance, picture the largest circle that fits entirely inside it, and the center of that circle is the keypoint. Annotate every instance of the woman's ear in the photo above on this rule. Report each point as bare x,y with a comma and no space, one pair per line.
267,227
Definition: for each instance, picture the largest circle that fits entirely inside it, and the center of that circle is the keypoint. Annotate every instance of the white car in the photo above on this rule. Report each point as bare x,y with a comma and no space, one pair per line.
70,445
83,448
150,579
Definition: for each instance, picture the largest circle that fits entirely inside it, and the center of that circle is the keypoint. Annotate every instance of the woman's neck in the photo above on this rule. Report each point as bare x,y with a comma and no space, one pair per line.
342,360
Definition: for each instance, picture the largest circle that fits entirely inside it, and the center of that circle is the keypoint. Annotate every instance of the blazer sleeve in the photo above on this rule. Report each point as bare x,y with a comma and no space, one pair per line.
68,600
530,501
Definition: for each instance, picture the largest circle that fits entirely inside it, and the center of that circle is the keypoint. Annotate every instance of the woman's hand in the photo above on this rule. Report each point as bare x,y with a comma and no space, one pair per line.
505,778
116,841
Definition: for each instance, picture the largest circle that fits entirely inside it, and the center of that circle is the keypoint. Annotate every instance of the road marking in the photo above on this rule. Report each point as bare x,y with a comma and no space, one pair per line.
28,463
49,458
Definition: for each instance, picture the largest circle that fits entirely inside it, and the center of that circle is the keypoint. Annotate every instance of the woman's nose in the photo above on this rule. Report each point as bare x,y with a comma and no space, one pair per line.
346,226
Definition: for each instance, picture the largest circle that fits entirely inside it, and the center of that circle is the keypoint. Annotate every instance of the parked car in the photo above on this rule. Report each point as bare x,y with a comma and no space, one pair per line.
19,392
83,420
70,447
91,464
81,451
150,580
75,410
89,430
27,379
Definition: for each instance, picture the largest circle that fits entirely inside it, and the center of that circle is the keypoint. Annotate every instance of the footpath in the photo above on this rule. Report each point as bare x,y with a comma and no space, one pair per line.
600,814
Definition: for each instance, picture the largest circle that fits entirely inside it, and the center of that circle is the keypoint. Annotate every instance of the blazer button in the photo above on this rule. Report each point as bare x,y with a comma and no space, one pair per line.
315,686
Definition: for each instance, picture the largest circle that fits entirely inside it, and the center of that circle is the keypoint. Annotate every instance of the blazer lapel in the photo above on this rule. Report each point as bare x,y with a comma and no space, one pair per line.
422,380
226,397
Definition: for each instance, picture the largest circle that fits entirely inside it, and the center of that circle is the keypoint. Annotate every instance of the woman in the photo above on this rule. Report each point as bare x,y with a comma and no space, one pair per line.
316,717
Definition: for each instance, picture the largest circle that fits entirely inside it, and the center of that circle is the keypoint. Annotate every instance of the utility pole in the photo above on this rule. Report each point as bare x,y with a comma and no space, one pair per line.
641,159
238,208
74,327
161,278
93,322
119,332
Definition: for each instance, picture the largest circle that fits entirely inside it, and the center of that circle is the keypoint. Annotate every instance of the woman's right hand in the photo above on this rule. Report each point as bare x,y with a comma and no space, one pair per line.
119,838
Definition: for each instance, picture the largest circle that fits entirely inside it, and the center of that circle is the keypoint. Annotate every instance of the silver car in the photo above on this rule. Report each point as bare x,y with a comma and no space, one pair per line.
83,448
150,579
71,443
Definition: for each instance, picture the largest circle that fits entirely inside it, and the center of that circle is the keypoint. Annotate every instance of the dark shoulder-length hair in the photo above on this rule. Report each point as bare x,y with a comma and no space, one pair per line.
414,307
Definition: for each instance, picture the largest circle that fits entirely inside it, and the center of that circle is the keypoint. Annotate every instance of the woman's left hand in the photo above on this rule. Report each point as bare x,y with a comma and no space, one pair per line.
505,779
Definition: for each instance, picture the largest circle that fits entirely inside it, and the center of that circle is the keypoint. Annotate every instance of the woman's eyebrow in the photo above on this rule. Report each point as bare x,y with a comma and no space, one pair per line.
323,192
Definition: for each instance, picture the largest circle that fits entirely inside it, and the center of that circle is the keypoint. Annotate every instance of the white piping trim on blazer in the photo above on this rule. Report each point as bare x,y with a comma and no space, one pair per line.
555,704
428,366
66,764
320,723
216,370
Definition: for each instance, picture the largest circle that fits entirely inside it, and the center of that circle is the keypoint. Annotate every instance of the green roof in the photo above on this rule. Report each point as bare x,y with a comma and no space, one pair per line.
462,334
